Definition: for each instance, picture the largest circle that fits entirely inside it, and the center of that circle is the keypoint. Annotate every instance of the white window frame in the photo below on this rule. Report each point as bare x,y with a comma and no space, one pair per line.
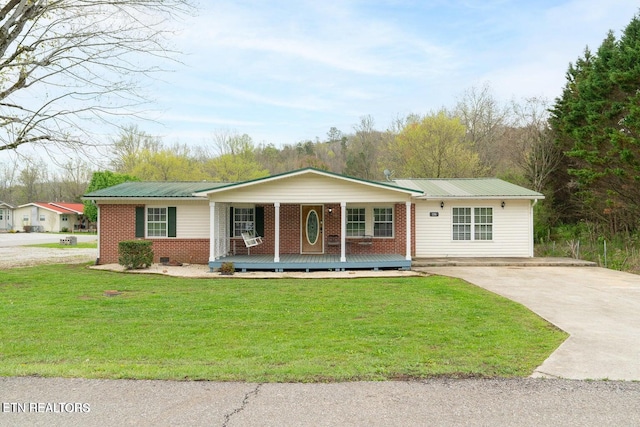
64,217
474,229
391,211
42,217
157,220
483,230
360,232
244,224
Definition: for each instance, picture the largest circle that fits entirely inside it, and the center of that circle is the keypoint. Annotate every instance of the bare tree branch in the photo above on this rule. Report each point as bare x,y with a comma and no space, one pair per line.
65,64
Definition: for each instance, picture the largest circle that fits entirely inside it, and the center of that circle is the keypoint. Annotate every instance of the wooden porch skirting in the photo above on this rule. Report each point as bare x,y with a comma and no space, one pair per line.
313,262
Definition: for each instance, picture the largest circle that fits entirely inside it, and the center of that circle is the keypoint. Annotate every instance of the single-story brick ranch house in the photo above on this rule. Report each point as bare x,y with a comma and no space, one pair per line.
313,219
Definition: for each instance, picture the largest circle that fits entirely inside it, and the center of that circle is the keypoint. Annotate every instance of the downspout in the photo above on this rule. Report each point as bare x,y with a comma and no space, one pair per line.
532,251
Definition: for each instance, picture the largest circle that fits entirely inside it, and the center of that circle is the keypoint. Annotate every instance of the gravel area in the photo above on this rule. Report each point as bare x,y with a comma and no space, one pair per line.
23,256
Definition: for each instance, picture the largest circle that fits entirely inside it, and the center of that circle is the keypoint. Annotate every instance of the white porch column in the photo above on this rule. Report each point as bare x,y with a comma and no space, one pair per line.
343,231
212,231
276,244
408,209
98,228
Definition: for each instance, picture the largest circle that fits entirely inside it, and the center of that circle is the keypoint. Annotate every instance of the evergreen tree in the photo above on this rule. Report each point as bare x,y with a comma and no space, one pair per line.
597,123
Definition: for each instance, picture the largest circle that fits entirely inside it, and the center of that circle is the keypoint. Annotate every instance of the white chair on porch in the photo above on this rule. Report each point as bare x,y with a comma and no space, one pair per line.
251,240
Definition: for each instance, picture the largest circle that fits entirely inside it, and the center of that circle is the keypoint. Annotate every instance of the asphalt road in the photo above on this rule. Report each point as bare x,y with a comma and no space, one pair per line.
524,402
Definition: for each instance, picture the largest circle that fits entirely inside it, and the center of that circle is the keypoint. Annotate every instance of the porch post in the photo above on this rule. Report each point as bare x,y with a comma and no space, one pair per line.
212,231
408,209
276,244
98,229
343,231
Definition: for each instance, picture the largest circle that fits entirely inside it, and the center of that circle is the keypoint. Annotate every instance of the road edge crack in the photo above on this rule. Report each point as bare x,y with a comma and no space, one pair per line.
243,405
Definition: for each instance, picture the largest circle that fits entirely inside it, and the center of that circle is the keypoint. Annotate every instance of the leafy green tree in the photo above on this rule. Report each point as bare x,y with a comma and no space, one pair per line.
597,122
435,147
101,180
236,159
168,164
234,168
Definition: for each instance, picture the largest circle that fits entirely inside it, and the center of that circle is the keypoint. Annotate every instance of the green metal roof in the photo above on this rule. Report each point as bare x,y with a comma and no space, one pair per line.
152,189
469,187
432,188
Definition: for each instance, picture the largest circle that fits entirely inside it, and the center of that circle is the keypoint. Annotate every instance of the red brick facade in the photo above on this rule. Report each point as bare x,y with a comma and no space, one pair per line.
117,223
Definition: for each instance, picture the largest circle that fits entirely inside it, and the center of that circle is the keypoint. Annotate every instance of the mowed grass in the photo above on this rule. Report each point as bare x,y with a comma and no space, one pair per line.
56,321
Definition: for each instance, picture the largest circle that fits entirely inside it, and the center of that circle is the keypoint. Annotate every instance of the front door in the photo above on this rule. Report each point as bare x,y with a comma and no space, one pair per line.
312,237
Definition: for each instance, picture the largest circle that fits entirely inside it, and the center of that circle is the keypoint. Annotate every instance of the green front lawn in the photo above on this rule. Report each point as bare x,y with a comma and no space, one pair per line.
56,321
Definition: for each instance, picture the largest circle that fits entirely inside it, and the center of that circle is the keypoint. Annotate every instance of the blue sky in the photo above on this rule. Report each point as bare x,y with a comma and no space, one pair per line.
285,71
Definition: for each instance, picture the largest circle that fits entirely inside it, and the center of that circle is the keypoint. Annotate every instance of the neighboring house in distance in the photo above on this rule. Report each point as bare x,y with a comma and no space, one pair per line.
49,217
6,216
313,219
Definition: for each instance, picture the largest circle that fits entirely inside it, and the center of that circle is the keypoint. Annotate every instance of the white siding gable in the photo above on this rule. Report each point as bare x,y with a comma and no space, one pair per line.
309,188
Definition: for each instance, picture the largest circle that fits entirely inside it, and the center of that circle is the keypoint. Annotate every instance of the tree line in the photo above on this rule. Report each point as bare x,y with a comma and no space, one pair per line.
474,138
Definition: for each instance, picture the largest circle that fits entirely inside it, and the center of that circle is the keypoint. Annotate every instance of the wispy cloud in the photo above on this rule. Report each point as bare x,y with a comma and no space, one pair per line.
288,70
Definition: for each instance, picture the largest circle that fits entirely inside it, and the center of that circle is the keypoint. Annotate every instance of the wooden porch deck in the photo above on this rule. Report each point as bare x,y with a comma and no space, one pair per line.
313,262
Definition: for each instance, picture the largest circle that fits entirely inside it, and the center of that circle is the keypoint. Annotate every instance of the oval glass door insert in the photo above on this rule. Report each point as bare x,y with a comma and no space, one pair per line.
313,227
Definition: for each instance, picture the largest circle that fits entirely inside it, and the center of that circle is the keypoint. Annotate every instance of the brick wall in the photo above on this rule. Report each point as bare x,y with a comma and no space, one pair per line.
118,223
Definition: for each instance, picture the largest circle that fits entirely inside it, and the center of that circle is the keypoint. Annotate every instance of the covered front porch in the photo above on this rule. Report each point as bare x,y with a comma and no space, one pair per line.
308,263
311,220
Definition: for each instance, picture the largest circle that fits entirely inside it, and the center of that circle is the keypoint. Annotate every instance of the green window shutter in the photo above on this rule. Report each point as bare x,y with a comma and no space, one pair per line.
230,222
171,226
259,220
140,221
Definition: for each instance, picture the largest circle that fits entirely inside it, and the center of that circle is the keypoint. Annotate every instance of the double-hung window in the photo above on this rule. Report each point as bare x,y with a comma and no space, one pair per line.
157,222
383,222
243,220
356,222
154,221
483,223
472,223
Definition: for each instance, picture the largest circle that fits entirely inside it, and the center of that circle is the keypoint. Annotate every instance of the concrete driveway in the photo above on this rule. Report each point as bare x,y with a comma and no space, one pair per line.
600,308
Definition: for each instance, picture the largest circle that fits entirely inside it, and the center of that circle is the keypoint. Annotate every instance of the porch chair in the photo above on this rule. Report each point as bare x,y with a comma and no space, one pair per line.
251,240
